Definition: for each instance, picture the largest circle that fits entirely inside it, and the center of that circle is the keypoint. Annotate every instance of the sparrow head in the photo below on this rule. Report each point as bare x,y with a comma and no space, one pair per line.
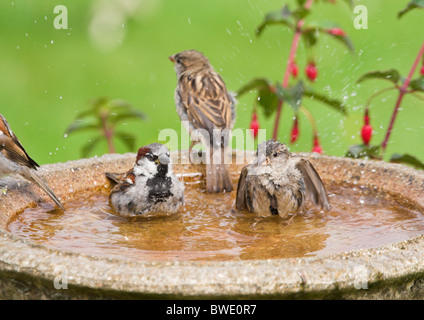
152,159
189,61
271,152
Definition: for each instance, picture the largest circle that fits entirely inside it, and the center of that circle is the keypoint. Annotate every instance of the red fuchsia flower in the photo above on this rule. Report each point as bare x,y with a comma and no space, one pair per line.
337,32
294,70
311,71
254,124
317,147
366,131
295,131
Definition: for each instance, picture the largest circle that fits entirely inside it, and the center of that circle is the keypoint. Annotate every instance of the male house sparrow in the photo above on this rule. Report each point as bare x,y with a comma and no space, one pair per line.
149,187
14,159
278,182
207,110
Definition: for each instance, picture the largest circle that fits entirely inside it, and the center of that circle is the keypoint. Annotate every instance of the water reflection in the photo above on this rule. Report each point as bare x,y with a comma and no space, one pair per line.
207,228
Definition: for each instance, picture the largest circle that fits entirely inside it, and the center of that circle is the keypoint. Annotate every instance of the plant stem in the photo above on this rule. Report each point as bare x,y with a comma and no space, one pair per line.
402,91
290,62
108,133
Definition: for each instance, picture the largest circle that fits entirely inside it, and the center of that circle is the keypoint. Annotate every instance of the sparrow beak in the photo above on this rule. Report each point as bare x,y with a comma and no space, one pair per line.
172,59
163,159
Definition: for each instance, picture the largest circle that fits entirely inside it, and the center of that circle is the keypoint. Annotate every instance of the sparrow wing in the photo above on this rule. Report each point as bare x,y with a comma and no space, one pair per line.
121,181
242,200
315,190
12,148
207,101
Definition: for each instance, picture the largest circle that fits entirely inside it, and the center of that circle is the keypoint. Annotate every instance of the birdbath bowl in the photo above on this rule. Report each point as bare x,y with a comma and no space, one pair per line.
33,270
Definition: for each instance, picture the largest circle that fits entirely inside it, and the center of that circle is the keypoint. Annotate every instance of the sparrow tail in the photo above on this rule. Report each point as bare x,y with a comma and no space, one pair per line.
218,178
33,176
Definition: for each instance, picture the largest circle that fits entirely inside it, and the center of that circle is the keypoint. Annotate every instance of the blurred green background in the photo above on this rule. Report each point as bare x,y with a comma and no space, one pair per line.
120,48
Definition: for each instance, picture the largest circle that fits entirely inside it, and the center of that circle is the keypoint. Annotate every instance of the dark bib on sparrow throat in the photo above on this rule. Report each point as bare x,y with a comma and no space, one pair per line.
160,185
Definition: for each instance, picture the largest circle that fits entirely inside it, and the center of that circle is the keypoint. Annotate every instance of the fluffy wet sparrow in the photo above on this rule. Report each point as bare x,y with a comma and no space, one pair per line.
150,187
278,182
207,110
14,159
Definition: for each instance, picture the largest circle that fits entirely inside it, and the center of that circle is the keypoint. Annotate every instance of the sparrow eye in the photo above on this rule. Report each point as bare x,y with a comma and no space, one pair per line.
149,156
275,154
178,60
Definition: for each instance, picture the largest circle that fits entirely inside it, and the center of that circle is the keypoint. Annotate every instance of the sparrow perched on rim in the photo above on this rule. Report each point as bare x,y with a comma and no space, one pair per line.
14,159
278,182
207,110
150,187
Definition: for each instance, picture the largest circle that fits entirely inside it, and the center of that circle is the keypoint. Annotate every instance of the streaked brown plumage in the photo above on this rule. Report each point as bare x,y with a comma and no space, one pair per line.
278,182
14,159
207,110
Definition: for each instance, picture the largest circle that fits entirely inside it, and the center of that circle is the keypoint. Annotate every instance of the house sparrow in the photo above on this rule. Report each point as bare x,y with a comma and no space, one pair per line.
14,159
149,187
278,182
207,111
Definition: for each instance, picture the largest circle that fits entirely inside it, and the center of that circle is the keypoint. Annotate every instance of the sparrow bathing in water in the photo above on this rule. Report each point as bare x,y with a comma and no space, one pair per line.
148,188
207,110
14,159
278,183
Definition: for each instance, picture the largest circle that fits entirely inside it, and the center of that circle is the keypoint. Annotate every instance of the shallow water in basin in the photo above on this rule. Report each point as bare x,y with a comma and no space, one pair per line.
207,228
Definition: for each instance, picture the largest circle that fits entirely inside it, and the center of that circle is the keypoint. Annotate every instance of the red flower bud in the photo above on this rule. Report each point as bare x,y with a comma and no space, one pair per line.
294,70
311,71
317,147
254,124
366,133
295,131
337,32
422,71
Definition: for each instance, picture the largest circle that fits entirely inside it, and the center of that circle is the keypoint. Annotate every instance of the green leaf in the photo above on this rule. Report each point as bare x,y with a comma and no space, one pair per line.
391,75
362,150
254,84
310,37
411,5
98,103
407,159
325,26
344,40
88,148
268,100
333,103
300,13
134,114
277,17
127,139
417,84
79,125
291,95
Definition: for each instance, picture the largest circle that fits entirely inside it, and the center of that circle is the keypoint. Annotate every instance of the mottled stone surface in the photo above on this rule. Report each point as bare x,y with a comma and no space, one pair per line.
28,270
